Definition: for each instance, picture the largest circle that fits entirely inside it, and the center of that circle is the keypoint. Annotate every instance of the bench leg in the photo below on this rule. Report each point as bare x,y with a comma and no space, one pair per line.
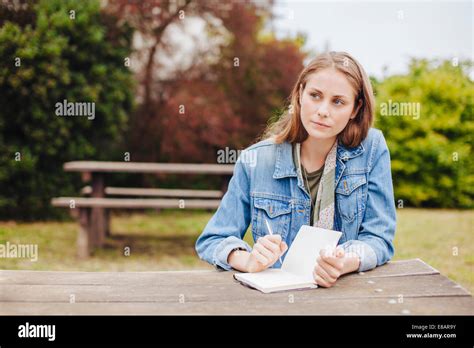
98,226
98,214
107,222
84,240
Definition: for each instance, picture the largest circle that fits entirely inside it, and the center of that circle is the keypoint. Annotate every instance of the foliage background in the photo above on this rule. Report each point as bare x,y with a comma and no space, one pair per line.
137,108
80,60
432,162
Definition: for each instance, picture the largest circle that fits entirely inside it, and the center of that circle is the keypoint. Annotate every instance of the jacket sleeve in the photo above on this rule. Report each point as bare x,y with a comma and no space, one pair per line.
226,229
374,244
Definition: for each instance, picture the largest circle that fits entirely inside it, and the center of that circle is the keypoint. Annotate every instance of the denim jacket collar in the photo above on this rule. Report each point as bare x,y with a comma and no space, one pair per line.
346,153
284,166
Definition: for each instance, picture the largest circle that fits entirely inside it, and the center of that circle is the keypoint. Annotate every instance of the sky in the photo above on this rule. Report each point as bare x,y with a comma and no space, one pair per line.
383,33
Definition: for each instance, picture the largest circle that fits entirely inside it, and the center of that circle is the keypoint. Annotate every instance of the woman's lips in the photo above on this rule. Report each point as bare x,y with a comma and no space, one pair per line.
322,125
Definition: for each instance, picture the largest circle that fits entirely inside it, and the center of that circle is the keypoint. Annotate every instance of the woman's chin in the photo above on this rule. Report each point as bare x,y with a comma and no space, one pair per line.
320,134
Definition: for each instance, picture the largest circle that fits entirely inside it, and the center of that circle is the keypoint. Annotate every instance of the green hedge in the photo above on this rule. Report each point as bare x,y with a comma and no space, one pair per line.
431,151
79,59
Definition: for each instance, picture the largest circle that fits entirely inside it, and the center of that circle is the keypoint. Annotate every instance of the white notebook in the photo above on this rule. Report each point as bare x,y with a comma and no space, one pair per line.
296,271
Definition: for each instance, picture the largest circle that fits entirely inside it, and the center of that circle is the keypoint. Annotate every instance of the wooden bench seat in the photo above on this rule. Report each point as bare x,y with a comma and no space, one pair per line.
91,236
145,167
135,203
158,192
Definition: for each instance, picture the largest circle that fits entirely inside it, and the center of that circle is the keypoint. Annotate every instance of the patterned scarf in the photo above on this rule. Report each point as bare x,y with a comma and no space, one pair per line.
323,215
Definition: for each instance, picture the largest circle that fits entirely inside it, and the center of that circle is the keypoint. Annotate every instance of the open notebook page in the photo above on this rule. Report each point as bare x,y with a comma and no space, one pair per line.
297,269
301,257
272,278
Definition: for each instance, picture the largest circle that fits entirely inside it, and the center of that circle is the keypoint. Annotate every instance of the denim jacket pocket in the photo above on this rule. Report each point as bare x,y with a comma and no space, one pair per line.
348,195
276,212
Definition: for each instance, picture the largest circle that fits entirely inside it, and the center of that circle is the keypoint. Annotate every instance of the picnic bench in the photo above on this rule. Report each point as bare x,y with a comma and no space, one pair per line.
92,209
408,287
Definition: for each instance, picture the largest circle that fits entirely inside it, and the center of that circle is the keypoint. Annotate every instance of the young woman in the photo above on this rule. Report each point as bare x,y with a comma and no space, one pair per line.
321,164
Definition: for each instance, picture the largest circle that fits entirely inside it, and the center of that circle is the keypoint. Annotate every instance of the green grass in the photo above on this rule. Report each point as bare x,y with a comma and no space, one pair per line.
436,236
165,241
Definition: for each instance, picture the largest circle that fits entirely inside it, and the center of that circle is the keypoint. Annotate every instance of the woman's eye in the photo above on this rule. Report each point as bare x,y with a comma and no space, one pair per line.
338,102
314,95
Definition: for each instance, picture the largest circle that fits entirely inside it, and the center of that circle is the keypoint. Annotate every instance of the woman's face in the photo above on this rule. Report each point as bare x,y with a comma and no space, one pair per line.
327,103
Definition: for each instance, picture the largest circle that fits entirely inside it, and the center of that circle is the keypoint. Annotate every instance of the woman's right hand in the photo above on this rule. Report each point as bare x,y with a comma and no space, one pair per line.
265,253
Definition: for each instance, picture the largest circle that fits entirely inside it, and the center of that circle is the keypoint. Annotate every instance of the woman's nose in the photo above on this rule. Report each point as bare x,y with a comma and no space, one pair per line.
323,111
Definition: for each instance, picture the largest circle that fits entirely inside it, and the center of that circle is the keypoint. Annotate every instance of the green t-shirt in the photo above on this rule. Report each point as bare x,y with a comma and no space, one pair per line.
313,181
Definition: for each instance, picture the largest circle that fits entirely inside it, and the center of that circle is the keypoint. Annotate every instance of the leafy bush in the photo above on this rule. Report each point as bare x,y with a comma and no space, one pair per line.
75,56
432,163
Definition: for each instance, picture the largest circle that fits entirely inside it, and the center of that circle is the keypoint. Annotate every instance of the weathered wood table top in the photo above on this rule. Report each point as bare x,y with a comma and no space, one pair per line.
399,287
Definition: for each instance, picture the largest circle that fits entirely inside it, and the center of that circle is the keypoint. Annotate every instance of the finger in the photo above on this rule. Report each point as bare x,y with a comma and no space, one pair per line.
337,263
283,248
259,257
320,281
325,275
267,243
275,238
264,251
333,272
325,252
332,260
340,252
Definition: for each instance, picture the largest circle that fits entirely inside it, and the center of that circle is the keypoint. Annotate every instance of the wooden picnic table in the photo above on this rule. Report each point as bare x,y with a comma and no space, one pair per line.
92,212
398,288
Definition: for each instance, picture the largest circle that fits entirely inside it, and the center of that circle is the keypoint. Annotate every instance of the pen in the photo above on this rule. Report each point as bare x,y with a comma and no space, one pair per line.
271,233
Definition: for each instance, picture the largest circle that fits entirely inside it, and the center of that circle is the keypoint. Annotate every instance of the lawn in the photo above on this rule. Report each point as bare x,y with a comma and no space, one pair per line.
165,241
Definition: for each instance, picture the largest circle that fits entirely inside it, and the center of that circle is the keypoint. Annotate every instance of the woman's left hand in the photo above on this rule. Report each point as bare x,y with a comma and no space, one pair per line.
329,267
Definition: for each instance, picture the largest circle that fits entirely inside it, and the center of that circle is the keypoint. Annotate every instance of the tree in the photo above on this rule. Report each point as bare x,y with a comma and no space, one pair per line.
70,52
225,97
432,162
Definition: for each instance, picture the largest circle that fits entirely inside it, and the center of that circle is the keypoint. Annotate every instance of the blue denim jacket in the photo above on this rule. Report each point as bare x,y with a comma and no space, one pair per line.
266,184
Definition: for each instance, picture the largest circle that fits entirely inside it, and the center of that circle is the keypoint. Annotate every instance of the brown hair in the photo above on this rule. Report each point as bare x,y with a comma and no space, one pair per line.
289,126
